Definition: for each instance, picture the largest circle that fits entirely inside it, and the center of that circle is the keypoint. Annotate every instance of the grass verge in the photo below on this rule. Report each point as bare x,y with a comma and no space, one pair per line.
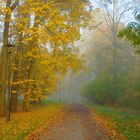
119,121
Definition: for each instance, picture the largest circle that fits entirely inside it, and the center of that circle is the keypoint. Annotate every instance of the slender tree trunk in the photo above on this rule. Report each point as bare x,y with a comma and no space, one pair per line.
114,43
26,103
14,102
114,64
8,104
14,96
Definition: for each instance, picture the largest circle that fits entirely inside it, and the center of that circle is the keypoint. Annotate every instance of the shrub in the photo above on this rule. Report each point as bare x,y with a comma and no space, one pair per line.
100,90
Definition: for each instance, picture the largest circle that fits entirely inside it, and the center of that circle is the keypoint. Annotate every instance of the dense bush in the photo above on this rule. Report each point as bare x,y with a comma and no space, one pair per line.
100,90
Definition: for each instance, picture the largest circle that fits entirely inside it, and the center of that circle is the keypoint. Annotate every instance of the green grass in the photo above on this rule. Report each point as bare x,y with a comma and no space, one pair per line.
127,121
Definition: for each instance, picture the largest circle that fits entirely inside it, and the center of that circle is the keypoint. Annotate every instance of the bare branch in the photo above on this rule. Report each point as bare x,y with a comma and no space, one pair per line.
14,25
126,9
14,5
95,26
102,31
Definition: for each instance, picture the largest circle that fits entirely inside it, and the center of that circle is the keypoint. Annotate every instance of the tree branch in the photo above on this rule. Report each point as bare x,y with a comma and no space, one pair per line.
14,5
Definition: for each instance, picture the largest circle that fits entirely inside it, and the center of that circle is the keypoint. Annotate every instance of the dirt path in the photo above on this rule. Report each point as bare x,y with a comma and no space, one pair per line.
76,125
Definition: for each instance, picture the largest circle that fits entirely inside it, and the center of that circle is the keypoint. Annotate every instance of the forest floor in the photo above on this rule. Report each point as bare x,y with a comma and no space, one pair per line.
23,123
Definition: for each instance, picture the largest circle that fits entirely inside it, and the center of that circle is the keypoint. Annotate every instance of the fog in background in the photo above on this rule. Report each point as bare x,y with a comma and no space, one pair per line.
111,73
70,88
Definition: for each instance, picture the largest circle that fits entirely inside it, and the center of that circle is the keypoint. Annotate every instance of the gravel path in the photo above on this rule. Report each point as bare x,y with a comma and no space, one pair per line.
76,125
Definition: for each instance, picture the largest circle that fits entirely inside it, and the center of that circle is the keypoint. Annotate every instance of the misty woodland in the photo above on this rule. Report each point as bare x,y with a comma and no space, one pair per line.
69,70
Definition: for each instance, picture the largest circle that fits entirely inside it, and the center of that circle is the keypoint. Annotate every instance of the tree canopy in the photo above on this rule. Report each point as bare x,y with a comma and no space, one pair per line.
132,31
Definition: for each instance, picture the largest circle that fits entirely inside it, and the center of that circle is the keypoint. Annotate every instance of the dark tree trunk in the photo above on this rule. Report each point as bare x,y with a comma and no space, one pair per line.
4,56
14,102
3,65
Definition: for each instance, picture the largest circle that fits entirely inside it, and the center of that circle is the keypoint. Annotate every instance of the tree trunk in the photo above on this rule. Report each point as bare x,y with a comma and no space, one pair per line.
14,102
114,43
14,96
114,65
4,53
3,65
26,103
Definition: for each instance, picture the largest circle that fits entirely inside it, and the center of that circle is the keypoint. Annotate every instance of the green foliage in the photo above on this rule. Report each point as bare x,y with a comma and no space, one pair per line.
132,102
127,122
137,84
132,32
100,90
